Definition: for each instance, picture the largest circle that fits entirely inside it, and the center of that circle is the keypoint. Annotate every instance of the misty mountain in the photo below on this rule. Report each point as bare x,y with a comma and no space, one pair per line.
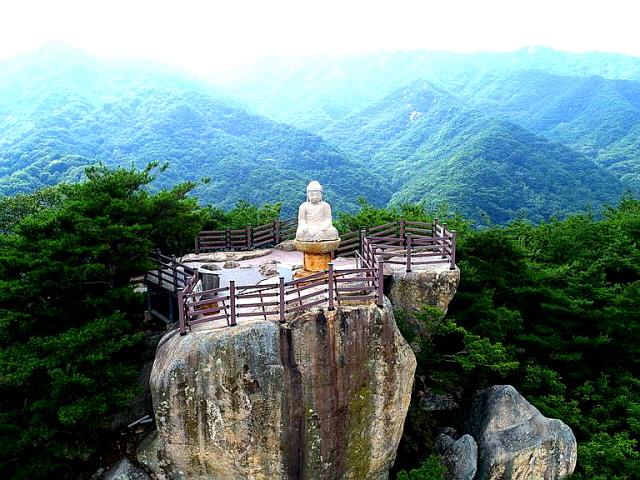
55,121
315,91
434,148
593,115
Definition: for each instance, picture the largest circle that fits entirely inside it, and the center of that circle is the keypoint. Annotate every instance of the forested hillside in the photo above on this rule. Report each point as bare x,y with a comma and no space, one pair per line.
54,122
433,148
588,102
592,115
477,133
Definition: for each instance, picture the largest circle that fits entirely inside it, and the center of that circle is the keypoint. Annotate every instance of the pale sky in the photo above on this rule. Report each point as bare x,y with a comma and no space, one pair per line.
204,36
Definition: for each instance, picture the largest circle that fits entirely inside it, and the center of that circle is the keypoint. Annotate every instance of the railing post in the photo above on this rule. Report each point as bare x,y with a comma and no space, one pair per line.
330,286
159,262
434,233
453,250
363,234
276,231
281,304
181,317
444,240
197,244
380,280
408,252
249,239
174,272
228,239
232,302
402,231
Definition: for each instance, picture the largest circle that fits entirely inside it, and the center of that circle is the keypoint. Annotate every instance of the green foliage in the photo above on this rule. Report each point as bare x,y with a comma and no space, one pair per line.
14,209
242,215
453,357
553,309
69,351
431,469
563,298
609,457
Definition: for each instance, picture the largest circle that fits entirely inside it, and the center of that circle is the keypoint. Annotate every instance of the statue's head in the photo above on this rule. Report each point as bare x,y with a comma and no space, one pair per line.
314,192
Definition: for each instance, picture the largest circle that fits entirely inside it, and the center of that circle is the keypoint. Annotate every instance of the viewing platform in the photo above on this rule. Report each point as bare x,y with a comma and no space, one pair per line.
239,275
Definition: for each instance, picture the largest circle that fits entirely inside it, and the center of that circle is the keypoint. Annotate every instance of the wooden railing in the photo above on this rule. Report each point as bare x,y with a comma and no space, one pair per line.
411,244
169,273
421,239
275,301
247,238
402,242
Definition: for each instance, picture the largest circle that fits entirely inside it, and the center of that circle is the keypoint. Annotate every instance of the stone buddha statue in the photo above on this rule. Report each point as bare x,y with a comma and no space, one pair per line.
314,217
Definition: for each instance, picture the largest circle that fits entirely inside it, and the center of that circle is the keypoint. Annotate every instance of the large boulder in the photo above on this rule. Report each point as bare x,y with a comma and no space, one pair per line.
515,441
323,396
433,285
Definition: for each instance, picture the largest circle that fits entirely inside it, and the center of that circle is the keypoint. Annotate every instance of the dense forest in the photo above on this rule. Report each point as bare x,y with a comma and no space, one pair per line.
435,149
588,102
551,308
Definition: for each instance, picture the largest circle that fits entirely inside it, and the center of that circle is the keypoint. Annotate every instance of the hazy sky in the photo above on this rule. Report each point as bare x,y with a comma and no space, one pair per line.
205,36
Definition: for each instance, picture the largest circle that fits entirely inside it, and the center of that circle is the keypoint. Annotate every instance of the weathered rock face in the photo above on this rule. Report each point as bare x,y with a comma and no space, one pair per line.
460,457
435,286
323,396
515,441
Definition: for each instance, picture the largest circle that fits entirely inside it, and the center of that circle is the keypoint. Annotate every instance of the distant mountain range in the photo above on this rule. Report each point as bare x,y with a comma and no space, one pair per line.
434,148
523,134
61,111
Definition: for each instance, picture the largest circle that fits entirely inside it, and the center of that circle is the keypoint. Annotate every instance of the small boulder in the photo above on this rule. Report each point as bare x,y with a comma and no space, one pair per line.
125,470
210,266
432,285
269,268
147,456
516,441
231,264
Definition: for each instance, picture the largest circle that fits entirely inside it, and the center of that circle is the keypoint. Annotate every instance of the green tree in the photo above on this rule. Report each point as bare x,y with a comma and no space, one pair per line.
69,351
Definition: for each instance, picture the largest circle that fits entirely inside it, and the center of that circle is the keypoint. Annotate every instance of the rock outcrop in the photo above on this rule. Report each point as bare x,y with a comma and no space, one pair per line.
515,441
323,396
432,285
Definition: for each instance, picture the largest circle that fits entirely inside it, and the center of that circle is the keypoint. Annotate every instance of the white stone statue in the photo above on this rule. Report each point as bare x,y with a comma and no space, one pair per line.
314,217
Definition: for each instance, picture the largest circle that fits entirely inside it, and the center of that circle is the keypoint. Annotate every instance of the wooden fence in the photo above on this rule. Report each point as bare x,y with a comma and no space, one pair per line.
402,242
419,239
247,238
410,244
275,301
169,273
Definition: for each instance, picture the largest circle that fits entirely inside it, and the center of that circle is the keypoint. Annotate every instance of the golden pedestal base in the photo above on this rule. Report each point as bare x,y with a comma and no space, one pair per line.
317,256
313,263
